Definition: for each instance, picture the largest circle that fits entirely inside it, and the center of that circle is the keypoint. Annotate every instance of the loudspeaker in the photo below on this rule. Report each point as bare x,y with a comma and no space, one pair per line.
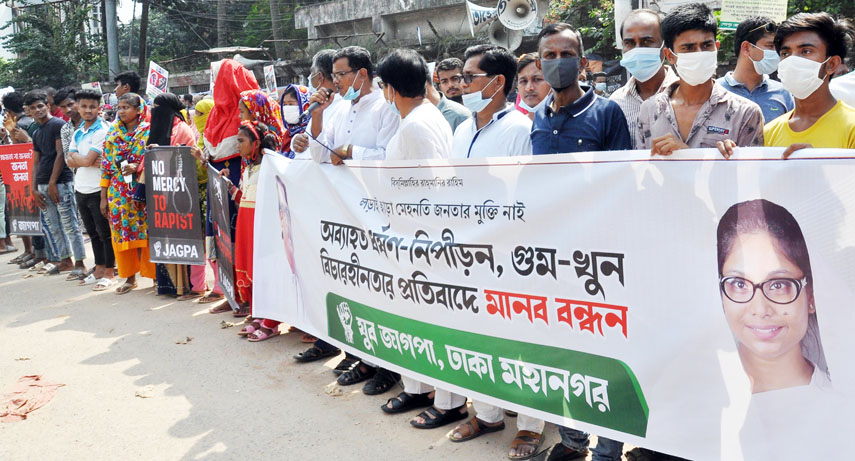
502,36
479,16
517,14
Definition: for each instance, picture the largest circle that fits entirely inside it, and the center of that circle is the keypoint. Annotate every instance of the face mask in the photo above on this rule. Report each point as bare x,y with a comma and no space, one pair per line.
352,94
475,102
535,108
291,114
642,63
800,76
560,73
698,67
311,87
768,64
394,107
600,86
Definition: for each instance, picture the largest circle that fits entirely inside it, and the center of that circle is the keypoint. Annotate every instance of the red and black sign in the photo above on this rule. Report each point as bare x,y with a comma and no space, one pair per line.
16,166
175,232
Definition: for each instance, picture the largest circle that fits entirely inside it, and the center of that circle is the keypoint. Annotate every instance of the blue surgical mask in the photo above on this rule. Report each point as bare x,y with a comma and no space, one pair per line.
394,107
475,102
600,86
642,63
352,94
768,64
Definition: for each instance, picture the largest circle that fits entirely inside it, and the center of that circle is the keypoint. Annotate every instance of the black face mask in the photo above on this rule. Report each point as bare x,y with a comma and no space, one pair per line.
457,99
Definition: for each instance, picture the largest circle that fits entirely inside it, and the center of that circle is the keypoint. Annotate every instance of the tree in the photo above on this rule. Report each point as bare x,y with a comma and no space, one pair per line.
52,46
594,19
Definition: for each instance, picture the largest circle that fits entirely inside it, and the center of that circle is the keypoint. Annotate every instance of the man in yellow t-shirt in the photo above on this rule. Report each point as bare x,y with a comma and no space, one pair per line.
812,46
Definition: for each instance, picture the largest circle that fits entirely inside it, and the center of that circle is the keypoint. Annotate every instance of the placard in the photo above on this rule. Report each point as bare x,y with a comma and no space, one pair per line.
16,164
218,200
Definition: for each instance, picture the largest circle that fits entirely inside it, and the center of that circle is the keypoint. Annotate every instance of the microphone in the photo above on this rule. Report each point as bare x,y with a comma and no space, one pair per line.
315,105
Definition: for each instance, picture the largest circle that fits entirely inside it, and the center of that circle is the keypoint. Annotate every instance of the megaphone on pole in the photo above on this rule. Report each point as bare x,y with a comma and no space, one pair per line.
502,36
517,14
479,16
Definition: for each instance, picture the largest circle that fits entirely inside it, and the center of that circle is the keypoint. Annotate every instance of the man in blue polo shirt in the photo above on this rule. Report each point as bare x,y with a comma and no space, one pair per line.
754,45
84,153
574,118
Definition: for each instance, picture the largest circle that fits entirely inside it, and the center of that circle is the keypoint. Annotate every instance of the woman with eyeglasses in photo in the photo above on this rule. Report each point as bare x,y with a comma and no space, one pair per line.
767,294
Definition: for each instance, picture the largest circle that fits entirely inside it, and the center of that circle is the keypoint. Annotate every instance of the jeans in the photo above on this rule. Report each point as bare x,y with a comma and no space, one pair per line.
606,449
62,233
97,227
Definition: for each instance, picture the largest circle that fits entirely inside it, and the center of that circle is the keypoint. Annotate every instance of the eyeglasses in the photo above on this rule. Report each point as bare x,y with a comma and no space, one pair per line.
779,291
770,27
340,75
467,78
455,79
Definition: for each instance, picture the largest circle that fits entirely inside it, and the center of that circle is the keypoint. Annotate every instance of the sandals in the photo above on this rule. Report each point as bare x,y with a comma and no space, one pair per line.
433,418
53,270
345,365
251,328
406,402
314,353
474,428
190,295
382,381
526,439
219,308
243,311
89,280
103,283
76,274
210,298
262,334
32,262
22,258
126,288
45,268
356,375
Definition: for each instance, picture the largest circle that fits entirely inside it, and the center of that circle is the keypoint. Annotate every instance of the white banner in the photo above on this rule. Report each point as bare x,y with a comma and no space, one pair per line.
604,291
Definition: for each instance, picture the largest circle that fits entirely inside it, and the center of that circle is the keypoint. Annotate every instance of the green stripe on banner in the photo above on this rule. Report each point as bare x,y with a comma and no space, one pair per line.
584,387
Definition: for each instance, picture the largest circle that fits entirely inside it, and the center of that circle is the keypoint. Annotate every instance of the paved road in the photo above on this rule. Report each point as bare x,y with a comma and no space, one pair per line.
216,397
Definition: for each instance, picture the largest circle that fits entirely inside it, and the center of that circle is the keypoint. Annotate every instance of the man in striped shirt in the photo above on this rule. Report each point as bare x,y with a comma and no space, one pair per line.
643,57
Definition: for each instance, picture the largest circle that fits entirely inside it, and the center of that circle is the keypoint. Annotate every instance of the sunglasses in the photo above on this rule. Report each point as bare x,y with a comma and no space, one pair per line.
770,27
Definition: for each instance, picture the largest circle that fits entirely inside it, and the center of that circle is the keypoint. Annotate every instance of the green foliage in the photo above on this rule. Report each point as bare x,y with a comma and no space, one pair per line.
594,19
52,46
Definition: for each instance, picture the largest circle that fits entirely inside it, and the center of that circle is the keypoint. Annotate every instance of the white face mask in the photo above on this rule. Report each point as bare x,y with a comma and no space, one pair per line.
800,76
537,107
698,67
291,114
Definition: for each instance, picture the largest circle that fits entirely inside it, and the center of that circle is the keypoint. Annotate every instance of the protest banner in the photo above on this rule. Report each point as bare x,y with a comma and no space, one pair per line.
218,200
605,291
735,11
175,233
158,77
16,163
270,79
94,86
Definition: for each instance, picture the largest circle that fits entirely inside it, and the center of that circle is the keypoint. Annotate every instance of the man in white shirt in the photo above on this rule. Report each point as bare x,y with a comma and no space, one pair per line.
496,129
320,79
363,130
84,153
423,134
360,129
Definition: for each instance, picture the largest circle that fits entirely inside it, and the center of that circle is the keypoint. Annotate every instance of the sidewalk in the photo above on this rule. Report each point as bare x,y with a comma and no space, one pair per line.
215,397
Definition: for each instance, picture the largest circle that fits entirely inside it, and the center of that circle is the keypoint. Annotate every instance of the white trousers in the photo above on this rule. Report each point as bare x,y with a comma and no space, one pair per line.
443,400
492,414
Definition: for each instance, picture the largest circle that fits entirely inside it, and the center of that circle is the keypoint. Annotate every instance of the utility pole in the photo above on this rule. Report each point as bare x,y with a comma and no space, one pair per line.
112,38
131,33
143,64
221,23
278,45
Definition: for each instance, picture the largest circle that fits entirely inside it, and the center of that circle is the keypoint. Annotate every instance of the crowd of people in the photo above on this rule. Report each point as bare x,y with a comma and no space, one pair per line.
490,103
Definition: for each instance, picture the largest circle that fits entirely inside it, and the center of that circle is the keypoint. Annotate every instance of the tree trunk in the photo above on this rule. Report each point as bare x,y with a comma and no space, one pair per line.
143,62
104,36
222,31
278,45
